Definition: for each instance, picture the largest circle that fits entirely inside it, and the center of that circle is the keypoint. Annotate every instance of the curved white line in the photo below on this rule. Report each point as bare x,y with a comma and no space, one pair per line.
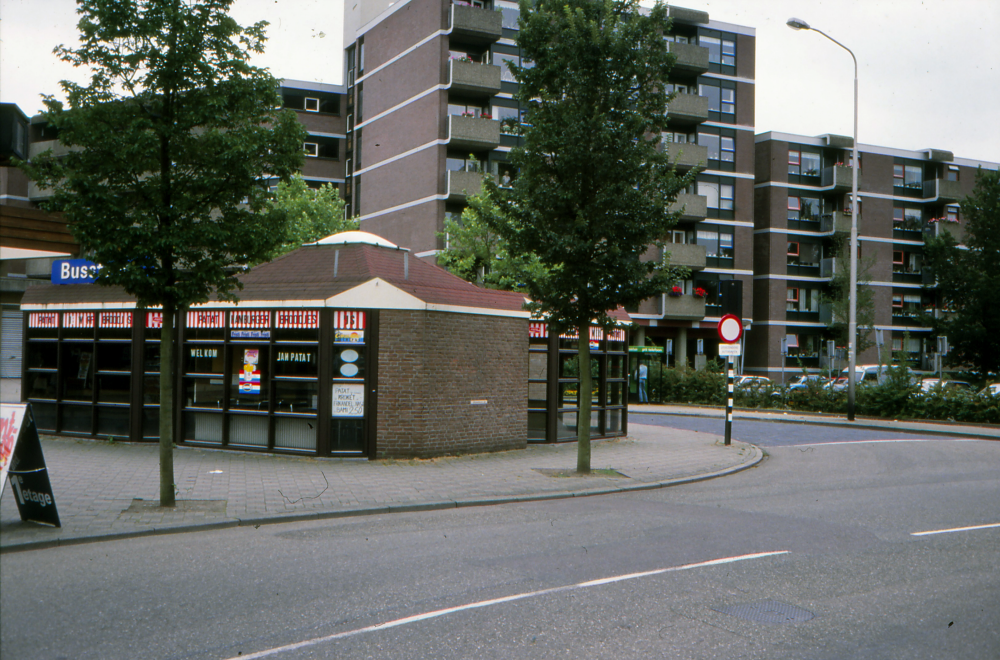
497,601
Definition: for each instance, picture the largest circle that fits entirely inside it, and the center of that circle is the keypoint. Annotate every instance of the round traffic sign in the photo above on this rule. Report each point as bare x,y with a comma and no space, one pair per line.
730,328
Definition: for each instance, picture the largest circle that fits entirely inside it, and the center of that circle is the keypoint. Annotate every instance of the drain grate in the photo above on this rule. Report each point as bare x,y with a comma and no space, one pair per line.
767,611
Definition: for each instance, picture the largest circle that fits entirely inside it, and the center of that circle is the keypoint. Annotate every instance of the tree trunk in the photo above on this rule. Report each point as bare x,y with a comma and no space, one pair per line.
167,408
585,393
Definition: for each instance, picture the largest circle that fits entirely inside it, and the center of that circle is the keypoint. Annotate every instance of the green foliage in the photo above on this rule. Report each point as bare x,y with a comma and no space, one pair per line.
593,188
171,147
838,297
969,280
312,213
476,253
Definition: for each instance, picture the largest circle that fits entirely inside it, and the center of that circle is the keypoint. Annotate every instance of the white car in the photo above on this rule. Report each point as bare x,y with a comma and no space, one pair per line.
992,389
752,382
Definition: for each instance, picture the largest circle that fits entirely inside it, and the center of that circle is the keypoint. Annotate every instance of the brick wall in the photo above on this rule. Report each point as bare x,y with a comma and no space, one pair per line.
432,365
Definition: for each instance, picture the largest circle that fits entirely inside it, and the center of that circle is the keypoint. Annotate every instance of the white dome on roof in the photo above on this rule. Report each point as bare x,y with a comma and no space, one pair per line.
346,237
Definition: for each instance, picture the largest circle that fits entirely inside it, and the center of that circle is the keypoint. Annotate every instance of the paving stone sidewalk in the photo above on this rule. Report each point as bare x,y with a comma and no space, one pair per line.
111,490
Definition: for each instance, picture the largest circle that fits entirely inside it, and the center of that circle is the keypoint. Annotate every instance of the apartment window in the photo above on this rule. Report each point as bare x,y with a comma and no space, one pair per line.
897,342
951,213
459,164
311,149
803,162
794,207
793,249
727,197
951,174
792,299
718,244
710,142
468,110
897,257
728,149
311,104
719,195
908,176
850,160
720,50
361,55
721,96
501,60
849,208
510,12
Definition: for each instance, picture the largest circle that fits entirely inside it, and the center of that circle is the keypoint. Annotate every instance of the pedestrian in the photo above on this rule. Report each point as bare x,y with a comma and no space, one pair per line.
643,374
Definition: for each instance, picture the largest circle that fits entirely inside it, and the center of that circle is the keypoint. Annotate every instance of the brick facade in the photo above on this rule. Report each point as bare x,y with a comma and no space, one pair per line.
432,365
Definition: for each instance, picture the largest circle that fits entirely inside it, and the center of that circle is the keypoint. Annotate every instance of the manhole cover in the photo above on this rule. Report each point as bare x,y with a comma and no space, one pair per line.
767,611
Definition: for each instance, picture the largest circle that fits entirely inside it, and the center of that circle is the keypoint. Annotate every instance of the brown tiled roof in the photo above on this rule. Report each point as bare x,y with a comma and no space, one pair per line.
318,272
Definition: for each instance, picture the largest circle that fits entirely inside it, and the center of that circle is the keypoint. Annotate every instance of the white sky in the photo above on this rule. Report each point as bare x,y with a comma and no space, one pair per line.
929,70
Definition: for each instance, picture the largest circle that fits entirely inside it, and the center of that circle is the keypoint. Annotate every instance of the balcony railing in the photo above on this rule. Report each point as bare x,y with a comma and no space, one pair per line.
685,307
462,184
473,133
956,229
475,24
837,177
685,254
687,155
943,190
690,58
838,221
473,79
693,208
687,110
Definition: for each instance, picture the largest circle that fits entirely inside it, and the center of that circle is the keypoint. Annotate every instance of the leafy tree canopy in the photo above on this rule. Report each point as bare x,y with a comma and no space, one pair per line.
476,253
838,296
593,187
313,213
969,279
170,148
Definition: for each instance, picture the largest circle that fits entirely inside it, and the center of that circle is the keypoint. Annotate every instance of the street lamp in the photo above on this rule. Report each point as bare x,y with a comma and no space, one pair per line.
852,315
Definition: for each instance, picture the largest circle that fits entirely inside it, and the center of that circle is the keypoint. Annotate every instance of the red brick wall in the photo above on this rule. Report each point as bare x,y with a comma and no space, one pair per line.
431,365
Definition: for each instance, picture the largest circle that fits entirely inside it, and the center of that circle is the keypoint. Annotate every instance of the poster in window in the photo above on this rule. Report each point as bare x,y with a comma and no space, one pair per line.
250,376
349,336
348,400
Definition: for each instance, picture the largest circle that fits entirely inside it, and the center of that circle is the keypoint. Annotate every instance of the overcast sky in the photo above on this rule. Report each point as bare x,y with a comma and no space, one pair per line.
928,69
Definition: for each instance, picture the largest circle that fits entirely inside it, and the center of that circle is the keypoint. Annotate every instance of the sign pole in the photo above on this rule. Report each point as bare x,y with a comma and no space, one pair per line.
729,402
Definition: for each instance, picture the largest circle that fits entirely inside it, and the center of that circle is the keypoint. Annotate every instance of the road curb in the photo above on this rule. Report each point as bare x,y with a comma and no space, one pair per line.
957,431
389,509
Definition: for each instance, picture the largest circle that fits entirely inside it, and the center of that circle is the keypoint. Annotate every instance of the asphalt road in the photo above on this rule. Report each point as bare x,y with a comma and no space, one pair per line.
819,561
771,434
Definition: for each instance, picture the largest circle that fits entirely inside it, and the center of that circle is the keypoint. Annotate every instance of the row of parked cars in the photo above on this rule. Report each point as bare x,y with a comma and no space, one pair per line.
864,375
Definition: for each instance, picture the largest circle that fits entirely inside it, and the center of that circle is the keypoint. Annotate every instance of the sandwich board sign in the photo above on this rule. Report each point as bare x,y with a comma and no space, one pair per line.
22,461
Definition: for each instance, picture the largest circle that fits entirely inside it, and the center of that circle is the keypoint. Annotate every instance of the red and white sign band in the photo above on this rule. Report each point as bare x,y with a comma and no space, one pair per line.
249,319
43,320
292,319
154,320
78,319
349,320
115,319
206,320
537,330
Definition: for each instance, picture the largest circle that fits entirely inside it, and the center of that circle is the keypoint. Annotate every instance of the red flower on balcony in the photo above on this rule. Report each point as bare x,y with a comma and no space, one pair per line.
700,292
676,292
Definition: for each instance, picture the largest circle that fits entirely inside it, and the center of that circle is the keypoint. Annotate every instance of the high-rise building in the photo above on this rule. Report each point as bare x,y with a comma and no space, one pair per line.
803,214
428,91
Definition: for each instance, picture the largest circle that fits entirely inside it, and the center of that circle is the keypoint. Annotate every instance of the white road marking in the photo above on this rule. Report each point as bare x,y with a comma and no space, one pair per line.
955,529
497,601
887,441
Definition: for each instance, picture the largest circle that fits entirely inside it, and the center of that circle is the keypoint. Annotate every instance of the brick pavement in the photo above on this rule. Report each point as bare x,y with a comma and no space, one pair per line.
111,490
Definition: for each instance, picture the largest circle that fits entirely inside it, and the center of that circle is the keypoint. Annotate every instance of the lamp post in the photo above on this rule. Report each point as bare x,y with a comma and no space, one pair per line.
852,315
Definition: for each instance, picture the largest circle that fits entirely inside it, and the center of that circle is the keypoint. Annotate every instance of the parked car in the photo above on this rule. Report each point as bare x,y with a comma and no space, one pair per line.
837,384
936,384
802,383
868,374
992,389
752,382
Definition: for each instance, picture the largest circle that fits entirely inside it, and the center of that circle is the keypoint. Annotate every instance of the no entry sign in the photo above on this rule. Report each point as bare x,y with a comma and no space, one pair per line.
730,328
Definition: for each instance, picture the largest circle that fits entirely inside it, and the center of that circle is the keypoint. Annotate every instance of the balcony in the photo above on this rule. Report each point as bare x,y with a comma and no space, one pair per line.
473,133
690,59
686,155
462,185
476,25
943,190
693,208
837,177
687,110
838,221
828,268
687,255
473,79
956,229
686,307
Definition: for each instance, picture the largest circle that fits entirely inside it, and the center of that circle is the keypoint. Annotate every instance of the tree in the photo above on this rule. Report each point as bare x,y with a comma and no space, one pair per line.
170,150
969,279
839,298
313,213
476,253
593,185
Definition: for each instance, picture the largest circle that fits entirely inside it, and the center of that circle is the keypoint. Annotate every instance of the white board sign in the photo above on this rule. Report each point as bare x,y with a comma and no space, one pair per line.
729,349
348,400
